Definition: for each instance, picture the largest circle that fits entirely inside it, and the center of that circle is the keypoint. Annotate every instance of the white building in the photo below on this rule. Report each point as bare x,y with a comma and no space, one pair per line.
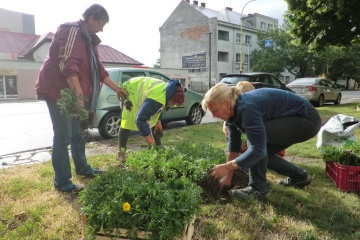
206,41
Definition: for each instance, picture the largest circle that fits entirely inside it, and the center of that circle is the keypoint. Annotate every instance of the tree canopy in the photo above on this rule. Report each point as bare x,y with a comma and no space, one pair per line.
322,23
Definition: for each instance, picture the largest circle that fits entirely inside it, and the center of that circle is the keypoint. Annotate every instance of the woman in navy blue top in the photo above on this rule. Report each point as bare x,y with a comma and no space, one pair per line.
272,120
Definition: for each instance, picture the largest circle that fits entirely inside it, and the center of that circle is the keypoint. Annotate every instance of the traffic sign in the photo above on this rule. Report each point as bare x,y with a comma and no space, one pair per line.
268,43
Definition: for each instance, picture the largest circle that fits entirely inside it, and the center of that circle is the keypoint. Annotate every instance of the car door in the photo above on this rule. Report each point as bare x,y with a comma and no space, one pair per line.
330,91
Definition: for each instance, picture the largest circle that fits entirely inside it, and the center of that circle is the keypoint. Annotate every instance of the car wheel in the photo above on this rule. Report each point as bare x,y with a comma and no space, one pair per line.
338,99
320,101
110,125
195,115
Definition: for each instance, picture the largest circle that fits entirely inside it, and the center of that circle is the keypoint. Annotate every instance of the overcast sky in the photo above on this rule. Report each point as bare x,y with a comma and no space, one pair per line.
134,24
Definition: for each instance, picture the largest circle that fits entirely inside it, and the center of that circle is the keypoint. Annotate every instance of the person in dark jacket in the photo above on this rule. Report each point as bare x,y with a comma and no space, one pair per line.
150,97
73,62
272,120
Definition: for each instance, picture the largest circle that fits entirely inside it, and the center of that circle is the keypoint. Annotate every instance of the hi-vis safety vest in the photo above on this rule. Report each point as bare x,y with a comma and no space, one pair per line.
143,88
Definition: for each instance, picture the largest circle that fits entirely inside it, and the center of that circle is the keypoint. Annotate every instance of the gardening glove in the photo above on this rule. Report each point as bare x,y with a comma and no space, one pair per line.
150,140
158,127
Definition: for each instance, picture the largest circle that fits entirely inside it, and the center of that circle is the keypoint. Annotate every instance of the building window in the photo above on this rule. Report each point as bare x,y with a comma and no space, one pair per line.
287,79
270,26
246,60
247,39
237,58
238,38
8,87
223,35
263,25
223,56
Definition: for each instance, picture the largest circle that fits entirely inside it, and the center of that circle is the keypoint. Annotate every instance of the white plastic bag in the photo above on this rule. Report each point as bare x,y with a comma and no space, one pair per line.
338,130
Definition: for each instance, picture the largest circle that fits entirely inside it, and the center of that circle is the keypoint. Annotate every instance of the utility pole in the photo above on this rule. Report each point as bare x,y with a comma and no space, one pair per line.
241,37
209,33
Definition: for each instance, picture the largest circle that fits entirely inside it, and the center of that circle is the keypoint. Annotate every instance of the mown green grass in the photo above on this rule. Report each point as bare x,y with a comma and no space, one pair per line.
320,211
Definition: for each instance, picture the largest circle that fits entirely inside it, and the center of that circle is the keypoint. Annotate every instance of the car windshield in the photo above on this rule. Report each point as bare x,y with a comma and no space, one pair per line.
234,79
304,81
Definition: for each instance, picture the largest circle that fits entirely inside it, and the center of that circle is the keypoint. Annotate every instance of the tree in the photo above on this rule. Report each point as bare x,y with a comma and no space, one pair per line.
322,23
286,53
346,66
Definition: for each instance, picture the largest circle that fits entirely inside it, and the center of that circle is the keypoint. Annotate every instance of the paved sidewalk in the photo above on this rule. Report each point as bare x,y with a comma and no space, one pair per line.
43,155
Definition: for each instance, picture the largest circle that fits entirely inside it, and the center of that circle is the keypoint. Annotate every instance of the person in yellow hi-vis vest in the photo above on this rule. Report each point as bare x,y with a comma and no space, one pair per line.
149,97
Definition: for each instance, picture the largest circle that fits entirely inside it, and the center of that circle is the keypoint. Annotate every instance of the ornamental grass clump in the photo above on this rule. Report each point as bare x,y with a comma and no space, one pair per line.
138,201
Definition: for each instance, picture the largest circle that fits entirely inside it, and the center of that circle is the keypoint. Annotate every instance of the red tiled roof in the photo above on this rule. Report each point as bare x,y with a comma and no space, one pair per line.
14,43
110,55
21,45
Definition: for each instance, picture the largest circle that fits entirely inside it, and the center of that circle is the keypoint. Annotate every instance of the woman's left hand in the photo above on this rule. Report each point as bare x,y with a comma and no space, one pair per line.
220,170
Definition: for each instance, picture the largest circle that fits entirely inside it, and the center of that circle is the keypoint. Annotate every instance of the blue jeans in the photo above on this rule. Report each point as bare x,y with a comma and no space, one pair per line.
66,132
281,133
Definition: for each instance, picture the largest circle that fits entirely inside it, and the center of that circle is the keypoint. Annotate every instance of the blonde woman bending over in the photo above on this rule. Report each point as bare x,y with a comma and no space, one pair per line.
272,120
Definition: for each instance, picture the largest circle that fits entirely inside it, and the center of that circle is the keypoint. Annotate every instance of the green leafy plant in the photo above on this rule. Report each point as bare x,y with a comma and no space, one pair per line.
158,192
193,161
70,107
345,155
127,103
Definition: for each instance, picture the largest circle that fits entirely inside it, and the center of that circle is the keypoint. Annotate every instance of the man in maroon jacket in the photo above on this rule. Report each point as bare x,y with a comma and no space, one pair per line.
73,62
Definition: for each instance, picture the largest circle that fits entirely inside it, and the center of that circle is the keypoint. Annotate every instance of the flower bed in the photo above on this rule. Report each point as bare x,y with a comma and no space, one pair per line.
157,192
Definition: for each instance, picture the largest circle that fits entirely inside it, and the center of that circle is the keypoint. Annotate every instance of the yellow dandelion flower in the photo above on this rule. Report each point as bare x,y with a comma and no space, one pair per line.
126,207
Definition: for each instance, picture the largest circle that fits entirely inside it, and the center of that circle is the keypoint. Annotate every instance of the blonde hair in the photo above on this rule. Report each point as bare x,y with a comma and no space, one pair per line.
220,92
245,86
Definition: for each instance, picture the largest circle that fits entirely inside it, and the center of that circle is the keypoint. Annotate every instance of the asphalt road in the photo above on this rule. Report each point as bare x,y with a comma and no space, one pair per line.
26,125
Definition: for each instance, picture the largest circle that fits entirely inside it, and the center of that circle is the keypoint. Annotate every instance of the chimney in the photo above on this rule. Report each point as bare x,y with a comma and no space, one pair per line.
203,4
188,1
195,2
229,8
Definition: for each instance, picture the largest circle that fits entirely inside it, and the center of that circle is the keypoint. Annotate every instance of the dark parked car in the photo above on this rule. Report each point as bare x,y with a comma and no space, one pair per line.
108,110
258,80
316,90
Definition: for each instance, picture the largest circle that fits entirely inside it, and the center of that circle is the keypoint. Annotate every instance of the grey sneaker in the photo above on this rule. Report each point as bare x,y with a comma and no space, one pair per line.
248,193
299,182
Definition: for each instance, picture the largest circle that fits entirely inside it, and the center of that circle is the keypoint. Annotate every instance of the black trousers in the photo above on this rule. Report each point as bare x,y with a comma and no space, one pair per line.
281,133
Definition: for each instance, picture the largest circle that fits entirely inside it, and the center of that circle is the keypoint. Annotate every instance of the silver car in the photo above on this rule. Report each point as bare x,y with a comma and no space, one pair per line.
316,90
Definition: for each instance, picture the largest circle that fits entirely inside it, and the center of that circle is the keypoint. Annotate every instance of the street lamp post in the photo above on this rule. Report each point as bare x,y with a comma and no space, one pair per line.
209,33
241,37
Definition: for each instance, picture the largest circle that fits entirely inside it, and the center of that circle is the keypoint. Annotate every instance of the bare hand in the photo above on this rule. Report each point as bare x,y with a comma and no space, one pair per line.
121,93
226,180
220,171
225,130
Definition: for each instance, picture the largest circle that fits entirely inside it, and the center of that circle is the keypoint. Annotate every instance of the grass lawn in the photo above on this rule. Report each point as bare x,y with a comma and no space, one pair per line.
320,211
